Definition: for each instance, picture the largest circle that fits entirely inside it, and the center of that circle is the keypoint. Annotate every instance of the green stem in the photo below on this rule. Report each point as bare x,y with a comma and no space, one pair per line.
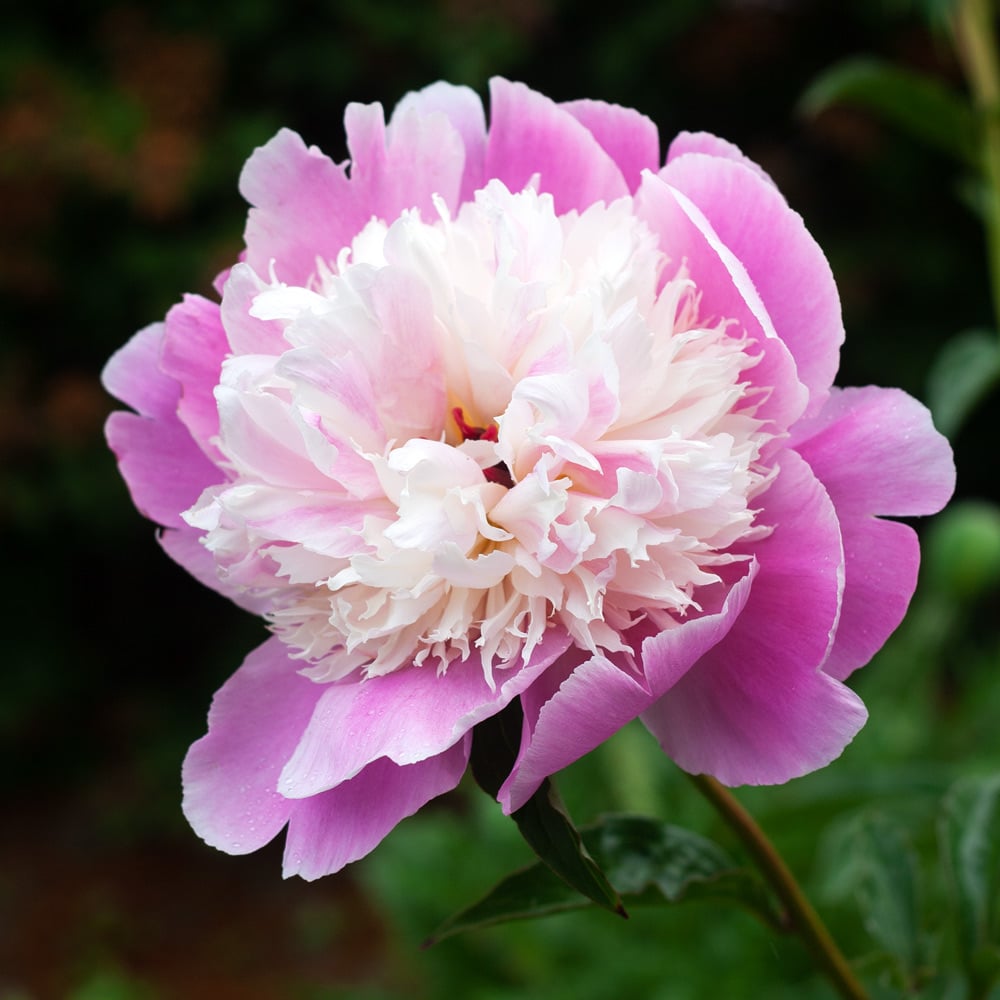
804,919
976,44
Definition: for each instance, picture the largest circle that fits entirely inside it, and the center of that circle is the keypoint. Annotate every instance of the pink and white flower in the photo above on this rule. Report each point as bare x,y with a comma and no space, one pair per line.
517,412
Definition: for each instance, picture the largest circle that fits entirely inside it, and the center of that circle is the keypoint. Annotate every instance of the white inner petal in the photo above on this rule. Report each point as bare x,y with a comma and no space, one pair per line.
480,428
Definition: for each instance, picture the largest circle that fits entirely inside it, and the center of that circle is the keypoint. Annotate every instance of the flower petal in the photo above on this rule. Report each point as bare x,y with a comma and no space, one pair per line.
403,166
756,709
330,830
230,775
627,136
712,145
784,262
531,134
194,346
598,697
876,452
408,716
464,110
304,207
688,238
133,375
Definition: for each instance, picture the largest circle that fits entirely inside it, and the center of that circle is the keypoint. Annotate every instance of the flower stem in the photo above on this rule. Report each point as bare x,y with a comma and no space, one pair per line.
977,50
804,919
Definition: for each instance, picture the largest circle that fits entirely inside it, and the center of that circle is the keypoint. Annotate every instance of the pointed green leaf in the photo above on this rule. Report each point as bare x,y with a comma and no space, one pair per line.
964,372
970,843
649,862
917,104
543,820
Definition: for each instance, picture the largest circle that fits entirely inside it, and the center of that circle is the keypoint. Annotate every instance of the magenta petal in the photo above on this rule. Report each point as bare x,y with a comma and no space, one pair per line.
688,238
183,546
784,262
194,346
881,563
304,208
757,709
133,375
339,826
876,452
627,136
231,774
712,145
404,166
464,110
599,697
407,716
531,134
165,470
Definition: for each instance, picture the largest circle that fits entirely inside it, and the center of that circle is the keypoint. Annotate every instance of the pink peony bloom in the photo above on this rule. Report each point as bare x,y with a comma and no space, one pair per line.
508,413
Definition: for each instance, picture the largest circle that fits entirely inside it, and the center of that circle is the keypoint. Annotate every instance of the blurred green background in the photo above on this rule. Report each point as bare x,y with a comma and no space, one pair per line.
123,127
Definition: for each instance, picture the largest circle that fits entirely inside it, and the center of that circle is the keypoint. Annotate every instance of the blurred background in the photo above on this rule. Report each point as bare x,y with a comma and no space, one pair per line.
123,127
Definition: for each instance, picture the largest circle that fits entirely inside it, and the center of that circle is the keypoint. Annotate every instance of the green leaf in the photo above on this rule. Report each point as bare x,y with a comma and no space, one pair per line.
964,372
917,104
649,862
871,859
543,820
970,843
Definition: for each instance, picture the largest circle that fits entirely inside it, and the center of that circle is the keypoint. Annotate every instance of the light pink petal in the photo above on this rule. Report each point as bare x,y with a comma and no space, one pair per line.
784,262
599,697
727,292
408,716
133,375
230,775
194,346
183,546
626,135
304,207
165,470
248,334
464,110
330,830
877,452
531,134
712,145
757,709
402,167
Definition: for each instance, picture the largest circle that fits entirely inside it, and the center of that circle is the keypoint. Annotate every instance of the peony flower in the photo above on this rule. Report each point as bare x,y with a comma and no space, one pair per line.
517,413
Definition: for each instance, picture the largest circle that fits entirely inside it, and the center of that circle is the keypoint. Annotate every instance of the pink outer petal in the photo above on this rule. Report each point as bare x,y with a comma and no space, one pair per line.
194,346
464,110
162,466
688,238
230,775
133,375
627,136
784,262
712,145
165,470
531,134
598,697
401,168
408,716
877,452
333,829
183,546
757,709
304,208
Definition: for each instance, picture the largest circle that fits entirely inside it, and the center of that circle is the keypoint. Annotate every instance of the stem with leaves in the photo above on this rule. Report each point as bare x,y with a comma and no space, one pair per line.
976,44
804,920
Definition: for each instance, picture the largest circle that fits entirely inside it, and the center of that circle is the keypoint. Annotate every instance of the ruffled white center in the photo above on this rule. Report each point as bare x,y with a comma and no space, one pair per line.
471,430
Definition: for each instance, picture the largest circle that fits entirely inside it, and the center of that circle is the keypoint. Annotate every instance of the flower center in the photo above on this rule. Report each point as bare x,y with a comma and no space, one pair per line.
381,527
